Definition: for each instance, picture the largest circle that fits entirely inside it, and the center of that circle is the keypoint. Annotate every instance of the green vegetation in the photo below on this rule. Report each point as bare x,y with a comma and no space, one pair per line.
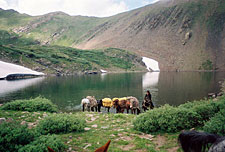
216,124
58,59
207,65
205,108
117,127
166,119
173,119
17,137
61,123
37,104
41,143
14,136
124,130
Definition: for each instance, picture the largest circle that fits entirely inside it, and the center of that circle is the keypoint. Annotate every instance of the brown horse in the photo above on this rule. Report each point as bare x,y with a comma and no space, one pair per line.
134,105
121,105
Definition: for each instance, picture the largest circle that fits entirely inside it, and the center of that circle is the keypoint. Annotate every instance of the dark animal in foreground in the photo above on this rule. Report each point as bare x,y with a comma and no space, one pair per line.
104,148
193,141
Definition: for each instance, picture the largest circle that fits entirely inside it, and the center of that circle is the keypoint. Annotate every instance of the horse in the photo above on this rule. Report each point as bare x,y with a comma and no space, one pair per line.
93,103
193,141
85,104
134,105
106,102
89,103
121,104
104,148
146,105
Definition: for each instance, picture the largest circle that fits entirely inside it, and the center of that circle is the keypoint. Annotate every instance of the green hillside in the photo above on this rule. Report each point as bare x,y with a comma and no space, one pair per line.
64,60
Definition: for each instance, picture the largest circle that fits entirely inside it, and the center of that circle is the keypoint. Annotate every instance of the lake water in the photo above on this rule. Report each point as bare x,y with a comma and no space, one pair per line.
172,88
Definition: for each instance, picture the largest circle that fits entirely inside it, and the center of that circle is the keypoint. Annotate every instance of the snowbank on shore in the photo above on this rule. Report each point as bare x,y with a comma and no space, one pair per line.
9,68
152,65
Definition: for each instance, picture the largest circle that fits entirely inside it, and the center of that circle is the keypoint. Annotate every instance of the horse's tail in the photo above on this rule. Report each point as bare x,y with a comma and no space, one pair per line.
196,141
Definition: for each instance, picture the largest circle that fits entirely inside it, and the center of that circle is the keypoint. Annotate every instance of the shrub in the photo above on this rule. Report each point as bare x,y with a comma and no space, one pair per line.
205,108
166,119
37,104
61,123
216,124
42,142
14,136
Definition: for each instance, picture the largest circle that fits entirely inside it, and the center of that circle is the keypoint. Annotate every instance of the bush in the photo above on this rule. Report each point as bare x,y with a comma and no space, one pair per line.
17,137
216,124
61,123
42,142
205,108
37,104
166,119
14,136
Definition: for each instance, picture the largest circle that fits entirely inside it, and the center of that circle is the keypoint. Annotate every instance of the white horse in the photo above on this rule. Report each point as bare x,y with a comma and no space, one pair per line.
85,103
89,103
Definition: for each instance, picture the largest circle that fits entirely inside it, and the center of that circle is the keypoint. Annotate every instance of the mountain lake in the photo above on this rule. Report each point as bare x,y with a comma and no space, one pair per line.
172,88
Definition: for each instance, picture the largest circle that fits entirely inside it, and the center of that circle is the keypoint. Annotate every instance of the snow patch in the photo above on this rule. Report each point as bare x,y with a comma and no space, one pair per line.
9,68
152,65
103,71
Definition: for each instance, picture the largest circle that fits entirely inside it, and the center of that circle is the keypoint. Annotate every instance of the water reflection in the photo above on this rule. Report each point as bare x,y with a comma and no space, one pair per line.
150,79
166,87
12,86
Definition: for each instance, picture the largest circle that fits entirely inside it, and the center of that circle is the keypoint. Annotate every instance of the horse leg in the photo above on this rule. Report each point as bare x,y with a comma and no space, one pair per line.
83,107
132,111
108,109
96,109
138,111
127,110
99,108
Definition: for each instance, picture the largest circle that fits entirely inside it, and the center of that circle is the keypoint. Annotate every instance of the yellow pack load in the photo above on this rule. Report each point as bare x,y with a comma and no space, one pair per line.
107,102
124,98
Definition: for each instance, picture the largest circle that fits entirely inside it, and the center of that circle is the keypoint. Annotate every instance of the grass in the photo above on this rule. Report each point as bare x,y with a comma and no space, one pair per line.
117,127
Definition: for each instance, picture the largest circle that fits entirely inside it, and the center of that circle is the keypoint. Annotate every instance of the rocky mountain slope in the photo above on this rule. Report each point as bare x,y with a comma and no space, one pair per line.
182,35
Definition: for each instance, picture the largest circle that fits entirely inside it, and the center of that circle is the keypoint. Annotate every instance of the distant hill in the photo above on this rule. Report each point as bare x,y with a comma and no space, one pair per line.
183,35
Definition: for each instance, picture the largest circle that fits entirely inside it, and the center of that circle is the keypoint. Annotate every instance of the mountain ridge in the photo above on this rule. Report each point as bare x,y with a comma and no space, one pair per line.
186,35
